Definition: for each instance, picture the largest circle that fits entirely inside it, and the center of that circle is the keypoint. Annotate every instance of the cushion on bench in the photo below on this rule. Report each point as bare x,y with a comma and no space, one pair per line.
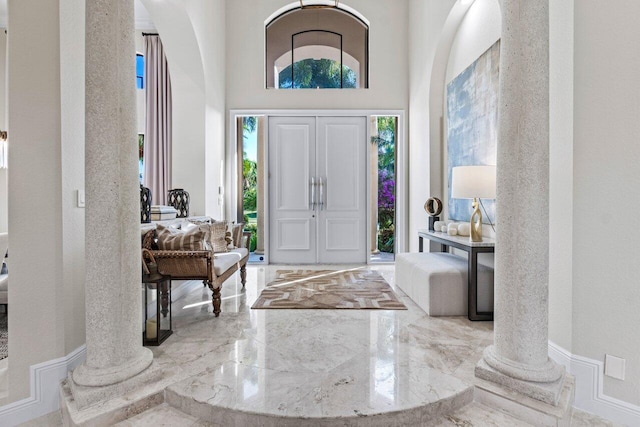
224,260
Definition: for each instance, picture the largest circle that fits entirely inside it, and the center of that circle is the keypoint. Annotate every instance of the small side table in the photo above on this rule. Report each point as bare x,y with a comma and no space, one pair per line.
473,249
155,330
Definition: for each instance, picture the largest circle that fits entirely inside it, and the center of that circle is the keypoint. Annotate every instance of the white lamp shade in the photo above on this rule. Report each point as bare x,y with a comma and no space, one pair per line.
468,182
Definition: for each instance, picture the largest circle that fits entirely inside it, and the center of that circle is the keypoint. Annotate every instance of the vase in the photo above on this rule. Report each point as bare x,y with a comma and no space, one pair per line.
179,199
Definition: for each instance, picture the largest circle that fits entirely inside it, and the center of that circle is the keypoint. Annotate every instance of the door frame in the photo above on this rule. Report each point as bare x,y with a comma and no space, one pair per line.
402,172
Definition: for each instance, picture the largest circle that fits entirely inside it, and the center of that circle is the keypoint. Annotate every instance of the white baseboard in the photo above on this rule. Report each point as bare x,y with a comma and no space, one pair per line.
590,396
44,380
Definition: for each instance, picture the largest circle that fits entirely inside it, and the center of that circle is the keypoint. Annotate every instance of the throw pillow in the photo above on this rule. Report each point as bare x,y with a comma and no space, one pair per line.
170,239
236,234
217,236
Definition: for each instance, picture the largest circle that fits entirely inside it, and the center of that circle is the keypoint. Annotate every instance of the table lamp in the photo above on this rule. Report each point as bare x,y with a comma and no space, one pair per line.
474,182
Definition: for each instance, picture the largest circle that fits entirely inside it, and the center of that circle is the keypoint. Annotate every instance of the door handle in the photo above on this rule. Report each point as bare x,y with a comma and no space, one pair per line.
321,185
313,194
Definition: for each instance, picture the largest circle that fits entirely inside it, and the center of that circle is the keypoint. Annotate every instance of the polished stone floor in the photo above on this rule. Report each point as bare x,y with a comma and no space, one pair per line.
319,363
320,367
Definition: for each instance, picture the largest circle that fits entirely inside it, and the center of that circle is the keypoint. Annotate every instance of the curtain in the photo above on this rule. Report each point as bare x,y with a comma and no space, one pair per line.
157,138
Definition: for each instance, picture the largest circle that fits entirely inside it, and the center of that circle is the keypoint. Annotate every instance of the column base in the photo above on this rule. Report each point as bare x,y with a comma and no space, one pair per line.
146,391
527,409
98,377
85,396
548,392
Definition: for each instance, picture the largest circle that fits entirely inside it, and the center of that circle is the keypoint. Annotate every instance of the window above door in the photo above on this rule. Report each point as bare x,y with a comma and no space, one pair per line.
317,47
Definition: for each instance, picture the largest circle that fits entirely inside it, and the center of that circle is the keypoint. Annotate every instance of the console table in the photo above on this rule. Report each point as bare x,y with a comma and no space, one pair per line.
472,249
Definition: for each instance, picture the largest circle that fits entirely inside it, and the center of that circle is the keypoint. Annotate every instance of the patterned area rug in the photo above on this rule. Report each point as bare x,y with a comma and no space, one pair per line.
4,337
356,289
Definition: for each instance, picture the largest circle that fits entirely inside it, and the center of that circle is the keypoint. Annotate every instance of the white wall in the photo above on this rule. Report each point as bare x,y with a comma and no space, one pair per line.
72,84
428,50
478,31
561,172
606,271
208,18
36,318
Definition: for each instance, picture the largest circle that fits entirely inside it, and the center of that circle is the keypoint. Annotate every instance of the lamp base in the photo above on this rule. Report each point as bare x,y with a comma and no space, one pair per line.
475,222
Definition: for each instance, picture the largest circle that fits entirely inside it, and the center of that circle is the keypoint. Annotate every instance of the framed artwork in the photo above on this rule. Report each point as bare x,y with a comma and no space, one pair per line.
472,125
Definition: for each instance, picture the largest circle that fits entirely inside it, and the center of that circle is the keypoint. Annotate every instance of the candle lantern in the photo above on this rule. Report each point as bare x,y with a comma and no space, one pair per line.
157,328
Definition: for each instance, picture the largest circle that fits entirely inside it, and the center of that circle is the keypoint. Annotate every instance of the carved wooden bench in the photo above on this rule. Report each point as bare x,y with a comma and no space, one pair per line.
213,268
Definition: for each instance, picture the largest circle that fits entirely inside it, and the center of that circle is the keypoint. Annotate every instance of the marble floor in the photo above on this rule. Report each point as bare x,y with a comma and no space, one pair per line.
323,364
318,367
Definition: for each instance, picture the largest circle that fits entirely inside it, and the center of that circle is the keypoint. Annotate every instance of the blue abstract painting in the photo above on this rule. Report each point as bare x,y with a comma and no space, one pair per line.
472,114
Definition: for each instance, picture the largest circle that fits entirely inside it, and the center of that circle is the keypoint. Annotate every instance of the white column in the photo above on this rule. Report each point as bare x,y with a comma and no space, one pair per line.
113,298
518,359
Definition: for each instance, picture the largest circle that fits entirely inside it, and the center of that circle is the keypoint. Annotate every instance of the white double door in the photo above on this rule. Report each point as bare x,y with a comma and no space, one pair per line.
317,190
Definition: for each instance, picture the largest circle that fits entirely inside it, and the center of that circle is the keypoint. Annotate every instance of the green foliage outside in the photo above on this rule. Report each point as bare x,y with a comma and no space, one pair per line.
317,73
250,186
386,182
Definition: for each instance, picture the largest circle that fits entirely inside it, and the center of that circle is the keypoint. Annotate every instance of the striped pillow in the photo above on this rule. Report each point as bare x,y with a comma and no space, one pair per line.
170,239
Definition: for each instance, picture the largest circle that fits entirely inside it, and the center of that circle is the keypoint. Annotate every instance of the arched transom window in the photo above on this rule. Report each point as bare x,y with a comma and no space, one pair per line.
317,47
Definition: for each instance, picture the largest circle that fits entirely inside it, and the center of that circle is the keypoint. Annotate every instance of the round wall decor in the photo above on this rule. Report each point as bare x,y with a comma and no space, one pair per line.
433,206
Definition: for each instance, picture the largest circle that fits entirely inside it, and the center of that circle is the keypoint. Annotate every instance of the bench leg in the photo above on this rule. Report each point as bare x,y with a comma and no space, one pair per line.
215,301
243,274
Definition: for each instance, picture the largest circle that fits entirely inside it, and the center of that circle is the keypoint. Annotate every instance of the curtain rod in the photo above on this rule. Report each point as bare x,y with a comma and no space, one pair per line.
150,34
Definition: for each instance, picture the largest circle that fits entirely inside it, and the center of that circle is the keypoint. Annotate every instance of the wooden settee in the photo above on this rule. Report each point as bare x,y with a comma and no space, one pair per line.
213,268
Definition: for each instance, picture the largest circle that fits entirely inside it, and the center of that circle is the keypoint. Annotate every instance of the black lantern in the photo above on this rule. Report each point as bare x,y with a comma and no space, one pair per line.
145,204
179,199
157,328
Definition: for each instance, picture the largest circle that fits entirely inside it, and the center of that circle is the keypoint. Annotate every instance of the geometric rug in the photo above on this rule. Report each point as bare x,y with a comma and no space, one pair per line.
4,337
329,289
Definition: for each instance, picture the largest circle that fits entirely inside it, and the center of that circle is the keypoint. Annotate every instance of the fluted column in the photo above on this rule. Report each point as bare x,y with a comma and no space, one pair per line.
518,359
112,250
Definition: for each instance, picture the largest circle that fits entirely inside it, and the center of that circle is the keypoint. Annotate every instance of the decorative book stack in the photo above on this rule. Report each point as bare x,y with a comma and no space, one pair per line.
159,213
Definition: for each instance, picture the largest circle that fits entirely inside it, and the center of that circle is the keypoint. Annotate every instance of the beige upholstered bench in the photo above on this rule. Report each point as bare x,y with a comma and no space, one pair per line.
437,282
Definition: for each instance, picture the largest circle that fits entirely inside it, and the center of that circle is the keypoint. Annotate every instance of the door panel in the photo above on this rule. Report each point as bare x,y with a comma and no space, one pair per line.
291,165
292,168
294,234
331,151
342,234
342,165
341,158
